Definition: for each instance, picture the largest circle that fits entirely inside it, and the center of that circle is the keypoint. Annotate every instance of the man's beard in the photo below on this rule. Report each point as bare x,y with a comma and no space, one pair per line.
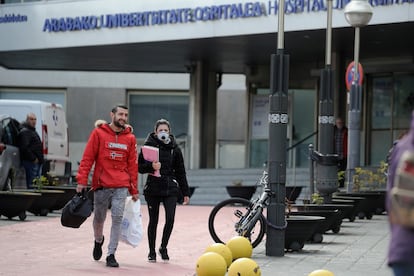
118,124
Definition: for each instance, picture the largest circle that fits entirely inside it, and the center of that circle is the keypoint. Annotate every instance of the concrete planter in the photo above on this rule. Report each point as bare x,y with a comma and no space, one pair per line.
245,192
332,218
13,203
192,189
357,202
374,202
43,204
293,192
299,230
69,192
343,209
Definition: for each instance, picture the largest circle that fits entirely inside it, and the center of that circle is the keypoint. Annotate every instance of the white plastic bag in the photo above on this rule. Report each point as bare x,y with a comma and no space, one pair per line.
131,227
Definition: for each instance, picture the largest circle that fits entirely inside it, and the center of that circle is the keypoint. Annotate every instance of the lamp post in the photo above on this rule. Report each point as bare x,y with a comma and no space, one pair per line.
358,13
327,178
278,120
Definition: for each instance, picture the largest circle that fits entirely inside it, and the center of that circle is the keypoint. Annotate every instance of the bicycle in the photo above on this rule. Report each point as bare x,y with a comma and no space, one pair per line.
241,216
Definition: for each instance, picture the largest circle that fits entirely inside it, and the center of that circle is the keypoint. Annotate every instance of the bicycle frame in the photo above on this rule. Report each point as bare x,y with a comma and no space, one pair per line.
242,216
247,222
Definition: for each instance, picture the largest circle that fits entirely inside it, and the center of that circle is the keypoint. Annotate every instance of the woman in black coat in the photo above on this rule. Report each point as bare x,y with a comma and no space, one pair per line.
166,188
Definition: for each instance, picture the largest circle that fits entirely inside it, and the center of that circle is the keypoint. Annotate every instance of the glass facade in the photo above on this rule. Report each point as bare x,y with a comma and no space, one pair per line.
147,108
392,101
300,129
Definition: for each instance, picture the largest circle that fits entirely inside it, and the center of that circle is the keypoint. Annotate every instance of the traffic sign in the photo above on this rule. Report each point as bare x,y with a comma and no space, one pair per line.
349,75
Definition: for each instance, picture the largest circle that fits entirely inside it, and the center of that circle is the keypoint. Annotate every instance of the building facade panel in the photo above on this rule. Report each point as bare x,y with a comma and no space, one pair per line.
222,37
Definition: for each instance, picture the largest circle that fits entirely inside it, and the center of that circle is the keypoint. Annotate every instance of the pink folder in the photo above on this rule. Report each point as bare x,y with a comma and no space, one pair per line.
151,154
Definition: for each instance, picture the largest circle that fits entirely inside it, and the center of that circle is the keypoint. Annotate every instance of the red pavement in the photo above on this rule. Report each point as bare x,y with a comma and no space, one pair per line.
44,247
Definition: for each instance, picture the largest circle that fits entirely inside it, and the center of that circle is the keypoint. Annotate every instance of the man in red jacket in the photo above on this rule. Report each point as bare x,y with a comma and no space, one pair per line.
112,148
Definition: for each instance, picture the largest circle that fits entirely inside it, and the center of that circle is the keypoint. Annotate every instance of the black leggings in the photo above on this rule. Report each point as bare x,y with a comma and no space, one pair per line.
153,204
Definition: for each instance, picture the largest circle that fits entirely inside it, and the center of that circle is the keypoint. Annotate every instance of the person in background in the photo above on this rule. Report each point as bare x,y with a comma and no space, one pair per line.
341,147
31,149
164,189
401,246
112,149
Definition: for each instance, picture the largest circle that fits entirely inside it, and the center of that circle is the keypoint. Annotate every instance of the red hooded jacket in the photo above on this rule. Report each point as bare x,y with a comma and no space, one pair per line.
115,158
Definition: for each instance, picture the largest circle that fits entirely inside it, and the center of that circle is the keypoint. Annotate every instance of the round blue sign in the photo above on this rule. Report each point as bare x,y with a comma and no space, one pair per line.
349,75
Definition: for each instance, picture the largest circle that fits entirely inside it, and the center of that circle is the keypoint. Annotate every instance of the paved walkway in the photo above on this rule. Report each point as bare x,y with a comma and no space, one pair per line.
41,246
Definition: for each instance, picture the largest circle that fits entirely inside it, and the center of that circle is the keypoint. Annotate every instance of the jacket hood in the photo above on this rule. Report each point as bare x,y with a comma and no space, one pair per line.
26,125
152,140
101,123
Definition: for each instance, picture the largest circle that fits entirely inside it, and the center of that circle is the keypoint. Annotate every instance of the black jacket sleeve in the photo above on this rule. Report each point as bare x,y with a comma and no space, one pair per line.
144,166
180,173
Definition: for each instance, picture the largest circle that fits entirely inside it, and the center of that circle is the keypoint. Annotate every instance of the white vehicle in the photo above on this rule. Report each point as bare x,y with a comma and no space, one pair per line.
9,152
52,129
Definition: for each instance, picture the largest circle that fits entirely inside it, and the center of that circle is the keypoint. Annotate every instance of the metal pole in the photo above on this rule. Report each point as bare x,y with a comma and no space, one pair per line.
278,120
329,33
327,177
281,25
311,172
356,55
354,118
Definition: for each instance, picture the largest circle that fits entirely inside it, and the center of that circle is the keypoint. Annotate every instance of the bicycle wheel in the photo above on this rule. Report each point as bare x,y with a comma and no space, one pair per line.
223,218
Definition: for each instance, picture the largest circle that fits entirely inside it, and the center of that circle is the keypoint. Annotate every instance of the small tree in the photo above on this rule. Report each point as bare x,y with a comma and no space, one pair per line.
366,179
317,198
40,181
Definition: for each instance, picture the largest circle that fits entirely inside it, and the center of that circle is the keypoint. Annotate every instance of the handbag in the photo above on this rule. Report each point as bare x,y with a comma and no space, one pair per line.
180,196
77,210
131,227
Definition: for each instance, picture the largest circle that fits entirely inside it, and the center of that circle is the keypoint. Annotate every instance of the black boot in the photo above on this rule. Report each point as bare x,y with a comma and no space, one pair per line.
164,254
152,256
110,261
97,250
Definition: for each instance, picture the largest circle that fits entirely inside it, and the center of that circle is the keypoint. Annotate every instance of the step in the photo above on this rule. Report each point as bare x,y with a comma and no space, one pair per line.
211,183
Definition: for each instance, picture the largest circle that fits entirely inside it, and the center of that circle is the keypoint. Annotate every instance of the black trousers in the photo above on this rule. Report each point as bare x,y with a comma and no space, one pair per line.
153,204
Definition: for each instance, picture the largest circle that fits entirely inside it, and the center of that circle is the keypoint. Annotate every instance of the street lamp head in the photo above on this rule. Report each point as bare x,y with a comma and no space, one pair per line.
358,13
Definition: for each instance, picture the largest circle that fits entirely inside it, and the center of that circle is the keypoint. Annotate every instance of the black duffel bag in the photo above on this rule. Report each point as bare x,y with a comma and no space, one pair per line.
77,210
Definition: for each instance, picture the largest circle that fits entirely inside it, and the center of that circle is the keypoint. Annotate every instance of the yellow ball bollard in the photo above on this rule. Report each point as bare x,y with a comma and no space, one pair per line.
211,264
223,250
321,272
244,267
240,247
